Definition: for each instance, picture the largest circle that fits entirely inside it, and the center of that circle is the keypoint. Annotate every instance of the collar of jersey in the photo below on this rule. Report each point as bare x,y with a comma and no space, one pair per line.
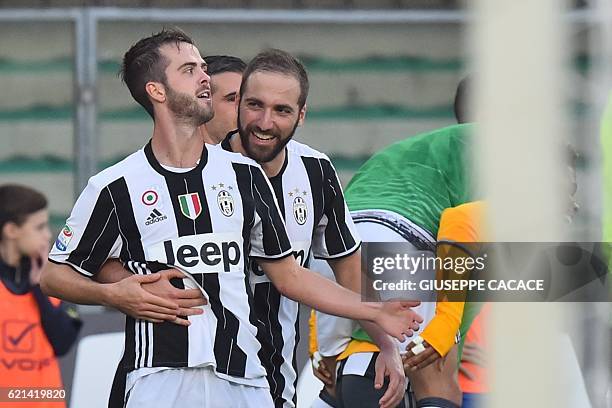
148,150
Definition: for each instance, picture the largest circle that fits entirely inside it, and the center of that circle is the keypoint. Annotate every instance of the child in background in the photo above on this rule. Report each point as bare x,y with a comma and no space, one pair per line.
34,328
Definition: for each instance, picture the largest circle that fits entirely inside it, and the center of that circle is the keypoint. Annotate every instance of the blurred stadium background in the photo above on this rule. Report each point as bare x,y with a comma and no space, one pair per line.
380,70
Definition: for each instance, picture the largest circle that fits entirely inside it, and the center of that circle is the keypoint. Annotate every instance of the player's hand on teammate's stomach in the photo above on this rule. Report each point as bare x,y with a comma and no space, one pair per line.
187,300
137,296
398,319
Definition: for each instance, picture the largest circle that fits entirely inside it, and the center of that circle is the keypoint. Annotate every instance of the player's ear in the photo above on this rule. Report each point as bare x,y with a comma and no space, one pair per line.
302,115
156,91
10,230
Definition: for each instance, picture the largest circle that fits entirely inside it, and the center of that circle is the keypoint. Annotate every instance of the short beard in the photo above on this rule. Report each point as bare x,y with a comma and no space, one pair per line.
187,109
252,153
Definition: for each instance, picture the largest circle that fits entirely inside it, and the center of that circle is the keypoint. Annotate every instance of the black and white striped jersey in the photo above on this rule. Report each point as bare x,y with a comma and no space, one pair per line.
207,221
318,224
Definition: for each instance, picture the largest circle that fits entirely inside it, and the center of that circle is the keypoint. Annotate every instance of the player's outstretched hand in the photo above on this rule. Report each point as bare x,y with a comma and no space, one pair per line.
129,296
389,364
187,300
419,356
397,318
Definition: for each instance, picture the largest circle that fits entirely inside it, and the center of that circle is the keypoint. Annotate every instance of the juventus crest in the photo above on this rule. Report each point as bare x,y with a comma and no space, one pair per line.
300,210
226,203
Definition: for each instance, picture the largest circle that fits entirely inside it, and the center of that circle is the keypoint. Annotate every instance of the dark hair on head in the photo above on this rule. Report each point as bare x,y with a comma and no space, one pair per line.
144,63
281,62
17,203
218,64
463,100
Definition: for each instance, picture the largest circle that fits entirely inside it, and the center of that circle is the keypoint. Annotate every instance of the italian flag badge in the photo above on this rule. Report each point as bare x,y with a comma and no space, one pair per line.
191,207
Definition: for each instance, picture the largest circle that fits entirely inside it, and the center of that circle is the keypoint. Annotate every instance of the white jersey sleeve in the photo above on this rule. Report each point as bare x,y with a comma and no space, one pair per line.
91,234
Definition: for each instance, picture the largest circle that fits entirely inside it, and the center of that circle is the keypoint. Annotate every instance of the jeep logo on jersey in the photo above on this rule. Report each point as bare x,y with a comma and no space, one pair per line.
191,207
204,253
300,210
226,203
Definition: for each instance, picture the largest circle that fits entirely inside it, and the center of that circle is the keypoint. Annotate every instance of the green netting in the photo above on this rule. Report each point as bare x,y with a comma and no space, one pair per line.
45,164
373,112
581,63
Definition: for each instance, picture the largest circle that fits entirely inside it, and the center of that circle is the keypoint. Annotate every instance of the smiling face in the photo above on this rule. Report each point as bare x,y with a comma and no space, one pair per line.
268,114
187,85
225,88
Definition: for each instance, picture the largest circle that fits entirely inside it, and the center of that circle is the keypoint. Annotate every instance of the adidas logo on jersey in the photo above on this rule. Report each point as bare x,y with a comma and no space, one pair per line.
203,253
154,217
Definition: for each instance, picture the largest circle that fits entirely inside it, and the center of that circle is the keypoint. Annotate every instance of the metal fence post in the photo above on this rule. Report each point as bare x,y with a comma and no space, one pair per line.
85,97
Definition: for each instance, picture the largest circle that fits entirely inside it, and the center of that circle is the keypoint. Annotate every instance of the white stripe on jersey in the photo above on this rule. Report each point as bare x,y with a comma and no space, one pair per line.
289,311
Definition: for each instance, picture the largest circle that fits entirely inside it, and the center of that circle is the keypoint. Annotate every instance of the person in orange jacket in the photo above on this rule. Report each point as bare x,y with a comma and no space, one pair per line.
35,329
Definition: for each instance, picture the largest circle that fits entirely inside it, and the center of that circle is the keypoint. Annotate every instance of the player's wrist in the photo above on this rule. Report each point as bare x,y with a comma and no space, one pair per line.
374,311
108,294
386,344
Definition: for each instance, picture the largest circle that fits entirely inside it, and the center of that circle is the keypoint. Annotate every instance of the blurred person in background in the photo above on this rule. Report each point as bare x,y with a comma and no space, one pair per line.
225,73
472,366
36,329
399,195
411,214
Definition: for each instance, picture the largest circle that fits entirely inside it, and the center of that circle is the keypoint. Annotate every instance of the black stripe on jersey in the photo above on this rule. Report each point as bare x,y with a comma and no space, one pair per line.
328,200
231,359
245,187
267,300
99,236
171,340
186,183
128,230
129,348
139,357
131,250
277,186
294,360
274,233
338,237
